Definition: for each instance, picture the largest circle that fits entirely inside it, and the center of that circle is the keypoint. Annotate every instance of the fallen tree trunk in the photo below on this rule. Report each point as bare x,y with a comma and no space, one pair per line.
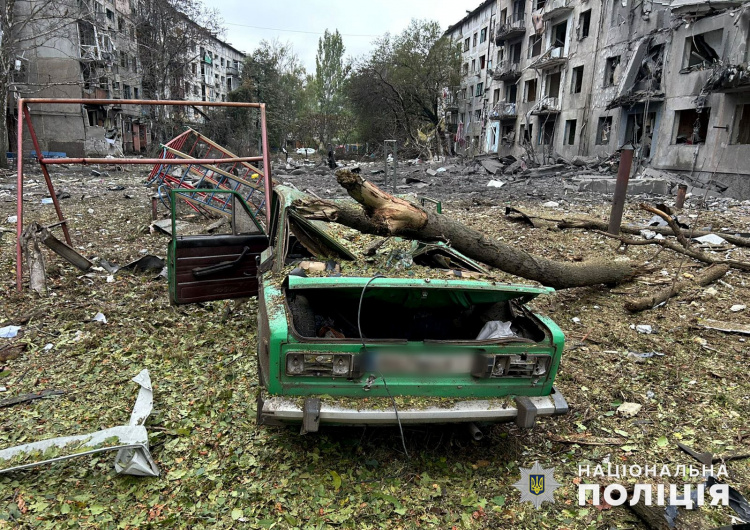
30,238
708,276
671,245
596,224
385,215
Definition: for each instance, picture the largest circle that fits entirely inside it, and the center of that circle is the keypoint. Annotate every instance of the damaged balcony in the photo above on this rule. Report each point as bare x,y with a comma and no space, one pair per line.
557,8
691,7
511,29
730,78
554,56
548,105
507,71
504,111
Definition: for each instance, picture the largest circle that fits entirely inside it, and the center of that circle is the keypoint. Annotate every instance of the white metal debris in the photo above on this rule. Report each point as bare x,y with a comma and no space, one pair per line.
133,456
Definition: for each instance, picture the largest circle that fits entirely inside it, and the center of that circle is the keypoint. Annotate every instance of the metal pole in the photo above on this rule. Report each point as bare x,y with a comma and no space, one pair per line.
149,102
47,178
621,189
154,208
150,161
19,192
395,165
681,190
385,174
266,164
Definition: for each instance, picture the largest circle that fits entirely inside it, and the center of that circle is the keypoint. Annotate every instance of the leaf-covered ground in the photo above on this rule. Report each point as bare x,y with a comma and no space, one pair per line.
218,469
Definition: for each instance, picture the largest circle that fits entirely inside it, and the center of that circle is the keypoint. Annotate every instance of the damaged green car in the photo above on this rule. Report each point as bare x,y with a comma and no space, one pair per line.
337,345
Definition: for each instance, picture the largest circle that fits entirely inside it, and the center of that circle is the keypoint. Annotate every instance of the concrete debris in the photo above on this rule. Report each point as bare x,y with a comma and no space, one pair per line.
495,184
164,226
543,171
629,409
514,167
492,166
710,239
737,308
635,186
130,441
551,204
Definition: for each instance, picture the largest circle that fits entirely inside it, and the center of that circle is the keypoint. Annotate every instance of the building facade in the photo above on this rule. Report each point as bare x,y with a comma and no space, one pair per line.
466,105
91,50
585,78
213,73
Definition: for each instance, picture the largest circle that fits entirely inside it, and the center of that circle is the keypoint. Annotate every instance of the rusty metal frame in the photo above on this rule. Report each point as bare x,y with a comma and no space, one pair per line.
24,114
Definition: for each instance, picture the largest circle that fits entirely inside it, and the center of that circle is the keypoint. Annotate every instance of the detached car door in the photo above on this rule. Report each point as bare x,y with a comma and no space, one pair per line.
202,268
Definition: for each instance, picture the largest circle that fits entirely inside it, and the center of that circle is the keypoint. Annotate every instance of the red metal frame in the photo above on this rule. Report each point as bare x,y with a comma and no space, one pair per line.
23,113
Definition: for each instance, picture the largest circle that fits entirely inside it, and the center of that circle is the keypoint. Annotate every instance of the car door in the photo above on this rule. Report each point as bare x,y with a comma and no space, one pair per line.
202,268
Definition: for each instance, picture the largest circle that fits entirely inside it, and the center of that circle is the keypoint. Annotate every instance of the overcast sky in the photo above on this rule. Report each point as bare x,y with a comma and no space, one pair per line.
302,22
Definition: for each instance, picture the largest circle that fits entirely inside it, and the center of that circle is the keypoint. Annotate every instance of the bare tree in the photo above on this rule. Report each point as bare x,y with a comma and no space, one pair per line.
171,36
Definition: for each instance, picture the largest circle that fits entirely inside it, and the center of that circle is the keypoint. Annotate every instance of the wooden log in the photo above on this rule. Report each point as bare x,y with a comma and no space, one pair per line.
709,275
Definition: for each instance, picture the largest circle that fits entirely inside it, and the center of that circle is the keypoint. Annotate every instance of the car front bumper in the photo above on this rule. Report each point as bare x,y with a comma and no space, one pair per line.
275,410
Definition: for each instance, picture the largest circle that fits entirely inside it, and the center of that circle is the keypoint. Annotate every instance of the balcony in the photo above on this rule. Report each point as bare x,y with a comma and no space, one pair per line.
504,111
557,8
507,71
511,29
547,105
551,58
232,70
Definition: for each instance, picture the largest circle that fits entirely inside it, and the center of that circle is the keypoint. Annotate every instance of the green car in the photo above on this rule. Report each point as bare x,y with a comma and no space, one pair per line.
336,346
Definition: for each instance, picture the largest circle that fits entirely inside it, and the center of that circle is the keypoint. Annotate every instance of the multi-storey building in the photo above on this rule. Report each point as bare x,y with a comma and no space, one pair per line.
81,50
584,78
467,104
215,71
90,49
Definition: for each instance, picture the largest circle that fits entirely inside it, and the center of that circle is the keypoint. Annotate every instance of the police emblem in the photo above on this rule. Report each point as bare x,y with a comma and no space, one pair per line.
537,485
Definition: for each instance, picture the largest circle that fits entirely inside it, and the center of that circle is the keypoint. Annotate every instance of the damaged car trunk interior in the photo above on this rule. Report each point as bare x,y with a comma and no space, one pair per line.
410,314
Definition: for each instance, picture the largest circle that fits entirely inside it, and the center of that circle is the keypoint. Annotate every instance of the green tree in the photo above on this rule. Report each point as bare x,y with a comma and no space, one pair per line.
273,75
330,75
394,92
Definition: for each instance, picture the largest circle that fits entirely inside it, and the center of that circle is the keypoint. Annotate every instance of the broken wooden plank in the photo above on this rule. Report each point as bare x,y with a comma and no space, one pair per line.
65,251
23,398
729,327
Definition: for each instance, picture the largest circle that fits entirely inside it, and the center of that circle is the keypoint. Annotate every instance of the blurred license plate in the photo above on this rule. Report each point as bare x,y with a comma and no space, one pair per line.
420,363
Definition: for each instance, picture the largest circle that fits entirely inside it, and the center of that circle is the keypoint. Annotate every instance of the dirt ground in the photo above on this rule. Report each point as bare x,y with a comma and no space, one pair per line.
218,469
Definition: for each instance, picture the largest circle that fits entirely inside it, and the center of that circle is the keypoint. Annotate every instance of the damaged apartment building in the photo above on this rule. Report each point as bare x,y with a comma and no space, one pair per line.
564,78
90,49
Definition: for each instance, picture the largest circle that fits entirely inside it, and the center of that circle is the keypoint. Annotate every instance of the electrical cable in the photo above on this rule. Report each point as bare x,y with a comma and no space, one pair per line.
364,347
298,31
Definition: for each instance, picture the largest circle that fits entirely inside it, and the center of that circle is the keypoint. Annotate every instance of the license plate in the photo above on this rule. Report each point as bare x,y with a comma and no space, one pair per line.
399,363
